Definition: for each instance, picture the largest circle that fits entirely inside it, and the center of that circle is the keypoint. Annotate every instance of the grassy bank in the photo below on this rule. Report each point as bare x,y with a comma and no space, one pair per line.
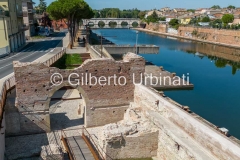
68,61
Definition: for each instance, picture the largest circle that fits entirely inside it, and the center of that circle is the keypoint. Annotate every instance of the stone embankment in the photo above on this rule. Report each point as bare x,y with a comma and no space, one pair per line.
223,37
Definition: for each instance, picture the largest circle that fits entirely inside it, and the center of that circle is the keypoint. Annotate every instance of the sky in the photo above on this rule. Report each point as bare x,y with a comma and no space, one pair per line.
151,4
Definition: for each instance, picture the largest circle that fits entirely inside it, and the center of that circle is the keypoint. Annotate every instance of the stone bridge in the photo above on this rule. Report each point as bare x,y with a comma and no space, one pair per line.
95,22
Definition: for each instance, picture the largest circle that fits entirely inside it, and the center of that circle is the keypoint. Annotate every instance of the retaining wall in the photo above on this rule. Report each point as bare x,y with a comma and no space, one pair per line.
174,123
231,37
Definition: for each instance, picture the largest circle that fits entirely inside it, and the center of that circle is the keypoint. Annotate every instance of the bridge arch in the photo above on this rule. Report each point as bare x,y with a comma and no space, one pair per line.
101,24
112,24
124,24
135,24
58,106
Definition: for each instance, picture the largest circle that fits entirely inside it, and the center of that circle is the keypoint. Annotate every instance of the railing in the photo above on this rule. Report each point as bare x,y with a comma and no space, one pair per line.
67,146
4,13
95,149
7,85
55,58
10,83
23,27
20,13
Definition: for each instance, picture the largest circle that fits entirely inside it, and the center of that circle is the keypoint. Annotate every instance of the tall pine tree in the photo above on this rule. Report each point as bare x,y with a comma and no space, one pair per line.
41,8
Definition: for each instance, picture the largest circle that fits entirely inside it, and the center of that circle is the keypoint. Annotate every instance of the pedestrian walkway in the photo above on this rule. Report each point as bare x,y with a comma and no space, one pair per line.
79,148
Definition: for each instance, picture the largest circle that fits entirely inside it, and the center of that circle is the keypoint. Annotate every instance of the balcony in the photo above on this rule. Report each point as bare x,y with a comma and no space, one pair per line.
30,21
23,27
4,13
31,11
20,13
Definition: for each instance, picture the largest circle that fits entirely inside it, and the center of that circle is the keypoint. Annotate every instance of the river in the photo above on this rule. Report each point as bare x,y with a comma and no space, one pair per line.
213,70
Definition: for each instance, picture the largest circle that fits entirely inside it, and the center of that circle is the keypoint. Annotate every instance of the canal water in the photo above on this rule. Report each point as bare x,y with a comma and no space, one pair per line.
213,70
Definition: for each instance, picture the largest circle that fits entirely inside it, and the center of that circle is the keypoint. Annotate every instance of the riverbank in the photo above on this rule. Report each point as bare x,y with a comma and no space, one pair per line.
187,38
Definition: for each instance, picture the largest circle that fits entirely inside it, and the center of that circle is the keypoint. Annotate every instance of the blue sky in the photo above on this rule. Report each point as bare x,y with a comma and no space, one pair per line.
150,4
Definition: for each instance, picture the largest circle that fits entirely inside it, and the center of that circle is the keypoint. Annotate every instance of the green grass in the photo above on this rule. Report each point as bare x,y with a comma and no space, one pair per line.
38,37
73,59
67,61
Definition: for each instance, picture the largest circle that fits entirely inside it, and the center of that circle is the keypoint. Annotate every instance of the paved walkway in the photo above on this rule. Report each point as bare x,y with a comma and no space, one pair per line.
79,148
78,50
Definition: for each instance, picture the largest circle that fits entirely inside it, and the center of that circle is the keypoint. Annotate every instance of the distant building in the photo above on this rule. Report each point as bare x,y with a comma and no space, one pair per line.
211,12
185,19
170,17
151,12
58,25
201,11
28,17
12,27
180,11
236,21
218,15
165,9
204,23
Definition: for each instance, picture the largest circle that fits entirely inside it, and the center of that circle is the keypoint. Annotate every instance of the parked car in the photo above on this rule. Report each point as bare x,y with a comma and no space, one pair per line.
43,31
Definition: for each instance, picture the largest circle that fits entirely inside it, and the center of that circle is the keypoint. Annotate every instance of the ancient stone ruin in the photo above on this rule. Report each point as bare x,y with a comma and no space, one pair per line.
129,121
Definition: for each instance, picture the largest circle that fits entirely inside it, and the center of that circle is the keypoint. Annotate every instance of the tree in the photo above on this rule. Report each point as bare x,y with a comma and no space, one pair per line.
152,18
227,18
216,7
173,22
71,12
231,7
154,15
206,19
191,10
45,21
42,6
96,14
162,18
141,15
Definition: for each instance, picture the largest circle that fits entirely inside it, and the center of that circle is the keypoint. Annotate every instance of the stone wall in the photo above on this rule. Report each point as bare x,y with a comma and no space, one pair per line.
209,34
181,136
157,27
133,137
2,138
4,51
34,90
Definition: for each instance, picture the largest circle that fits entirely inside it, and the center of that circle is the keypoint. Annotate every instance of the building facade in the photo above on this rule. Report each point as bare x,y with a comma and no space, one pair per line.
28,17
11,26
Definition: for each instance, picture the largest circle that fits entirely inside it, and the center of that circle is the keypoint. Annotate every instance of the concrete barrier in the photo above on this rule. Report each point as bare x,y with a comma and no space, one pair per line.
141,49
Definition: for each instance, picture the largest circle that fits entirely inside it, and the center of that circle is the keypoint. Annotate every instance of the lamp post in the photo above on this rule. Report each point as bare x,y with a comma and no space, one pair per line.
136,42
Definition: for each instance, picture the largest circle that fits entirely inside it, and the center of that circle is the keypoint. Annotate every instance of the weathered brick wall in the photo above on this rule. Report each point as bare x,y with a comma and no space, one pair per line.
34,90
214,35
181,136
142,146
157,27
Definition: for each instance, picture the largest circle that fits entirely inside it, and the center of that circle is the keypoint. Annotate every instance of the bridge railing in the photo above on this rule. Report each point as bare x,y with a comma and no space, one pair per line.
10,83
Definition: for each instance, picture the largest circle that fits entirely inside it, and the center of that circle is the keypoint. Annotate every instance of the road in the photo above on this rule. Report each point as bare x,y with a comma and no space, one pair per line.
31,52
